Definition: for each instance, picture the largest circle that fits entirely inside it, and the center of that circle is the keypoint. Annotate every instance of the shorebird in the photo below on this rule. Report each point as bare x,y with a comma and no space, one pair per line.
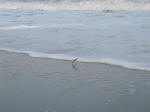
74,64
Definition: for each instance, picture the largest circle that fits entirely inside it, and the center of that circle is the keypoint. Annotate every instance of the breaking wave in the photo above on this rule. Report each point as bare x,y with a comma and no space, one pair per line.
76,4
18,27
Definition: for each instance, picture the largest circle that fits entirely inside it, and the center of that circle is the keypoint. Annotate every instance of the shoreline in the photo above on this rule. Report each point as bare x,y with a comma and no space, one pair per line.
79,60
30,84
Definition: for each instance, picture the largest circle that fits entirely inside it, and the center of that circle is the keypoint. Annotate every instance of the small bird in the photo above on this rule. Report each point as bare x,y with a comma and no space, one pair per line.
74,64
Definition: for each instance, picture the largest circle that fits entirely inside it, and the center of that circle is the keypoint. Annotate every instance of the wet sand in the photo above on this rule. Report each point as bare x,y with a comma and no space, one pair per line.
30,84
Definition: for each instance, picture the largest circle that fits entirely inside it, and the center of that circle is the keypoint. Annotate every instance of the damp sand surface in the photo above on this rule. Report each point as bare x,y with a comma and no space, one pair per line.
30,84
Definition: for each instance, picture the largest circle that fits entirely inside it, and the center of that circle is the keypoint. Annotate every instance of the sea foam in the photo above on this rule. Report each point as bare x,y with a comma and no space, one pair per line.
80,5
109,61
18,27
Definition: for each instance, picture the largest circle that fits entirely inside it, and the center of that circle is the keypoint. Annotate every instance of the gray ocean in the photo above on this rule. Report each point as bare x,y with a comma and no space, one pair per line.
102,31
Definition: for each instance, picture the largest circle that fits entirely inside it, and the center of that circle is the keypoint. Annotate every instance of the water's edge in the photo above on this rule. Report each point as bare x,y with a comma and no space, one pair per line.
112,62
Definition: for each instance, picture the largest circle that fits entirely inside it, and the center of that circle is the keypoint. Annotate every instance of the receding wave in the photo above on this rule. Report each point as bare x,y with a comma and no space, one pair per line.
109,61
76,5
18,27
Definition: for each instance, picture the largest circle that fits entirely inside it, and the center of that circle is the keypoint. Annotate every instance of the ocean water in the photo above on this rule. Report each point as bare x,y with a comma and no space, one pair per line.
102,31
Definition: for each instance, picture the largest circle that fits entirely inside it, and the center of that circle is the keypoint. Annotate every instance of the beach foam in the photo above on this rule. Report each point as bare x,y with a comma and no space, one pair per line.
79,5
109,61
120,38
18,27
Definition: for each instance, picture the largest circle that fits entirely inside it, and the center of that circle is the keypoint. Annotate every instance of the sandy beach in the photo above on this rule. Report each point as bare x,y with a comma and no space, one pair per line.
74,55
30,84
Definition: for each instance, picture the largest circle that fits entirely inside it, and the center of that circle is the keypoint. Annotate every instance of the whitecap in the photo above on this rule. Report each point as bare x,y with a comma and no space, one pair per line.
18,27
80,5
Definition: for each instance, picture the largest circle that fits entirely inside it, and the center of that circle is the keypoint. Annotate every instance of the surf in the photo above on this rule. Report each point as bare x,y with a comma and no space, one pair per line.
109,61
18,27
76,5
